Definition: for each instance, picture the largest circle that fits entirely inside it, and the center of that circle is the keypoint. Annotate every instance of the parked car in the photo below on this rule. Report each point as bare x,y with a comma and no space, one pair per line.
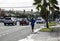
9,21
24,21
40,20
2,19
57,20
17,19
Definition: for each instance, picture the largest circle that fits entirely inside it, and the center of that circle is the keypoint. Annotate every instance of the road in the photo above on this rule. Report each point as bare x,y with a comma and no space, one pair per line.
15,33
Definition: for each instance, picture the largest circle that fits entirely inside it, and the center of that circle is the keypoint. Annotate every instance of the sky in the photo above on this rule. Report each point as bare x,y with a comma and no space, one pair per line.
23,4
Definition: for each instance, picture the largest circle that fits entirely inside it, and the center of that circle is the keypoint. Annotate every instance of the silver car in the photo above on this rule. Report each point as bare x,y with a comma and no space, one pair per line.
40,20
9,21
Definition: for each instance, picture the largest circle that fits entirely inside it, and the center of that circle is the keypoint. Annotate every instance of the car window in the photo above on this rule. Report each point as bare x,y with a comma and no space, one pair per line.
38,19
8,18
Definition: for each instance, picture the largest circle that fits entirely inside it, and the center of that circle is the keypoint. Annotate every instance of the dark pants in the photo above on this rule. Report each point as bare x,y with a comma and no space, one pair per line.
32,26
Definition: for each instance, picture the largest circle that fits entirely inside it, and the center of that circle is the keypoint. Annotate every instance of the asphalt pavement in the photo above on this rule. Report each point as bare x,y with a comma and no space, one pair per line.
15,33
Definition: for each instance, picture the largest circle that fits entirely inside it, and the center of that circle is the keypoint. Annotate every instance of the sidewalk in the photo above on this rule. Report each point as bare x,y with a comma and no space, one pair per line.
45,36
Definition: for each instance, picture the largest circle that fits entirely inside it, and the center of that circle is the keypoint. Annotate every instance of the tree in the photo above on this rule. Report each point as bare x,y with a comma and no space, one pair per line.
46,7
2,13
56,14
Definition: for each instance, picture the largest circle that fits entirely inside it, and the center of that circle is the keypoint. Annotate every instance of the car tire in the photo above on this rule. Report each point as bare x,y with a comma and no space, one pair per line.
20,24
12,24
4,24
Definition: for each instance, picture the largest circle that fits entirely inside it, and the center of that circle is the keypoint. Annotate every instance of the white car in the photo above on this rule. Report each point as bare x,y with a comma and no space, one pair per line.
57,20
40,20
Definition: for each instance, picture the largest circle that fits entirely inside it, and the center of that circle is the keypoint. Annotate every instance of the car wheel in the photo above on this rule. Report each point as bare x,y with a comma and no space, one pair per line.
8,24
20,24
12,24
4,24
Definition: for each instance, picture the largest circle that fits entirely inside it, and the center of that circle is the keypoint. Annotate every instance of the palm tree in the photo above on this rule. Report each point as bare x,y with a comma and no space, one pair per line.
46,7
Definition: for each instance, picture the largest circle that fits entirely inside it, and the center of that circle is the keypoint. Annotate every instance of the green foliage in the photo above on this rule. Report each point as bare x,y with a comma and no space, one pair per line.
46,29
51,23
53,2
43,7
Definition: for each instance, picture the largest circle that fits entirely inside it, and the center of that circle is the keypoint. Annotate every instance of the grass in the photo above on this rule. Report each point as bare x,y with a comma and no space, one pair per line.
46,29
51,23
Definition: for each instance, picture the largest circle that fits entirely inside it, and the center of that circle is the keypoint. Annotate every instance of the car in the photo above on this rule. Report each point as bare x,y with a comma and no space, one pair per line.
58,20
24,21
2,19
17,19
10,21
40,20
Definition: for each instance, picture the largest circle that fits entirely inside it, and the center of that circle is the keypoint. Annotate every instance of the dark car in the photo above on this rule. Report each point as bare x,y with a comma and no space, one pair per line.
9,21
24,21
